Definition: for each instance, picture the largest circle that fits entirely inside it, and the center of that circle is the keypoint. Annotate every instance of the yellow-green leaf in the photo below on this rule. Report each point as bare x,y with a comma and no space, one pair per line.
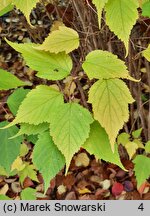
121,15
110,100
105,65
8,80
62,40
49,65
99,145
146,53
25,6
38,106
70,128
28,171
99,6
131,148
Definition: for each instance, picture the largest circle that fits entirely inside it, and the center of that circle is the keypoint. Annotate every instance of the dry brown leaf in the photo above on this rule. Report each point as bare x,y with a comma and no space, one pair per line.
82,160
4,189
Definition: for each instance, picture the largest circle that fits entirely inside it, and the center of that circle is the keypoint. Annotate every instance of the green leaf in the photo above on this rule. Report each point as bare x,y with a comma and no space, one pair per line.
70,128
38,106
121,15
4,197
105,65
9,81
110,100
32,138
9,149
147,147
28,171
5,7
99,6
146,53
99,145
23,150
136,134
123,138
47,158
142,169
15,99
28,194
30,129
25,6
62,40
146,9
49,66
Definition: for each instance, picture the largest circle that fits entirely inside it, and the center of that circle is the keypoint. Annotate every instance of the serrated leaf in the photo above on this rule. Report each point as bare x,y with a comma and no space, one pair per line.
38,106
146,53
9,149
32,138
25,6
99,145
70,128
99,6
147,147
146,9
62,40
9,81
47,158
30,129
28,194
123,138
121,16
105,65
131,148
110,100
142,169
49,66
28,171
15,99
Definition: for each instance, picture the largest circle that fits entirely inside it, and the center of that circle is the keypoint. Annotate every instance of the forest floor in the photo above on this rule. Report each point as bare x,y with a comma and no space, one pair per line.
87,179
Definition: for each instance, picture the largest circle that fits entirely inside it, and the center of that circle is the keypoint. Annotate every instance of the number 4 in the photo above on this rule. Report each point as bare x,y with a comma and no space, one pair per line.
141,207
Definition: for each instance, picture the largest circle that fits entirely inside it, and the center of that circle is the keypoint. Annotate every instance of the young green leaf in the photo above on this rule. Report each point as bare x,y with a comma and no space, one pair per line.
110,100
99,145
70,128
9,148
131,148
47,158
105,65
38,106
123,138
62,40
99,6
146,53
30,129
15,99
136,134
9,81
146,9
28,171
25,6
141,168
121,15
49,66
28,194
